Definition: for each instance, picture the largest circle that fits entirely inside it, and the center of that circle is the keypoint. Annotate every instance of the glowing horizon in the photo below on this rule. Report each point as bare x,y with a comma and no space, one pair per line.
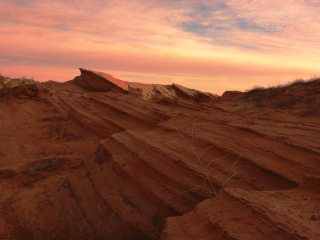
211,46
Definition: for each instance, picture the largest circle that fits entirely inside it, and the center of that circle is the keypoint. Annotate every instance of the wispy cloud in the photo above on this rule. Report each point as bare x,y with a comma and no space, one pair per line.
252,23
238,42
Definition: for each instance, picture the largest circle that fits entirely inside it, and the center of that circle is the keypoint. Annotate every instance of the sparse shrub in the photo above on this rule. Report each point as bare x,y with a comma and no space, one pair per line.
254,88
289,83
296,81
209,189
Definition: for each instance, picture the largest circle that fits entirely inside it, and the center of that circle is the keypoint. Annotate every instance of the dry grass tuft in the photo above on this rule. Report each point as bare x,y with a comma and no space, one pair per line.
300,97
209,188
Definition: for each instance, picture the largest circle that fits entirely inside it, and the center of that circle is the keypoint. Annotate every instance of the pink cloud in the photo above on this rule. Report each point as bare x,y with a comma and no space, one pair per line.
255,41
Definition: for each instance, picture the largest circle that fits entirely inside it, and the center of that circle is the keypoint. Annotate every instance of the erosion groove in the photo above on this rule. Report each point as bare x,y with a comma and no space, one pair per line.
101,158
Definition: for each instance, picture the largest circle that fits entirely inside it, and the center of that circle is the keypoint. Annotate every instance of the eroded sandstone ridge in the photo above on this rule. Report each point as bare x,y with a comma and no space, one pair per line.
102,158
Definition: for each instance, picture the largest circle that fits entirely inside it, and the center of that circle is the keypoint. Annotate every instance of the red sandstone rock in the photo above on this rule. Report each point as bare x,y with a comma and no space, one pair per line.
98,156
239,214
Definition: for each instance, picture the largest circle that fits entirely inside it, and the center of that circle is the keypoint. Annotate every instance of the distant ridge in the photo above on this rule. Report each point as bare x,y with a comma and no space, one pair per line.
102,82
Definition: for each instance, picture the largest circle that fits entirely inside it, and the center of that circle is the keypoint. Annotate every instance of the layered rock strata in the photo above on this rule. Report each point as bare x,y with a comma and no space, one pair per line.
121,160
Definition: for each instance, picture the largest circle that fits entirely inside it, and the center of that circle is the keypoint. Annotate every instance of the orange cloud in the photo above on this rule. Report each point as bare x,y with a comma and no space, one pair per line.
209,45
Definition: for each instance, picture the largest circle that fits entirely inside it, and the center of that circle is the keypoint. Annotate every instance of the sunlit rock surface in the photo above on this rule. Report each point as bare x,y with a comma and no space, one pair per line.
110,158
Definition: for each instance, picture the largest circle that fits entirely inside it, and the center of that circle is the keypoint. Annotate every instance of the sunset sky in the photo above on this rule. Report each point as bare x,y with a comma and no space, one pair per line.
212,46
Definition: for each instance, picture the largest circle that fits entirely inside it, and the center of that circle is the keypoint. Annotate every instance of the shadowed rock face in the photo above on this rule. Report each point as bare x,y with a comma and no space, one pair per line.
101,157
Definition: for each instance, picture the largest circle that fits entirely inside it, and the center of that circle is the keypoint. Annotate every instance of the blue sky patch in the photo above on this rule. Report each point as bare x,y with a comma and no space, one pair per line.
194,27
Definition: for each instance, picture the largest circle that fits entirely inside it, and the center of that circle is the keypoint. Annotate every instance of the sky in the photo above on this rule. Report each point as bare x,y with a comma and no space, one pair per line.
208,45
